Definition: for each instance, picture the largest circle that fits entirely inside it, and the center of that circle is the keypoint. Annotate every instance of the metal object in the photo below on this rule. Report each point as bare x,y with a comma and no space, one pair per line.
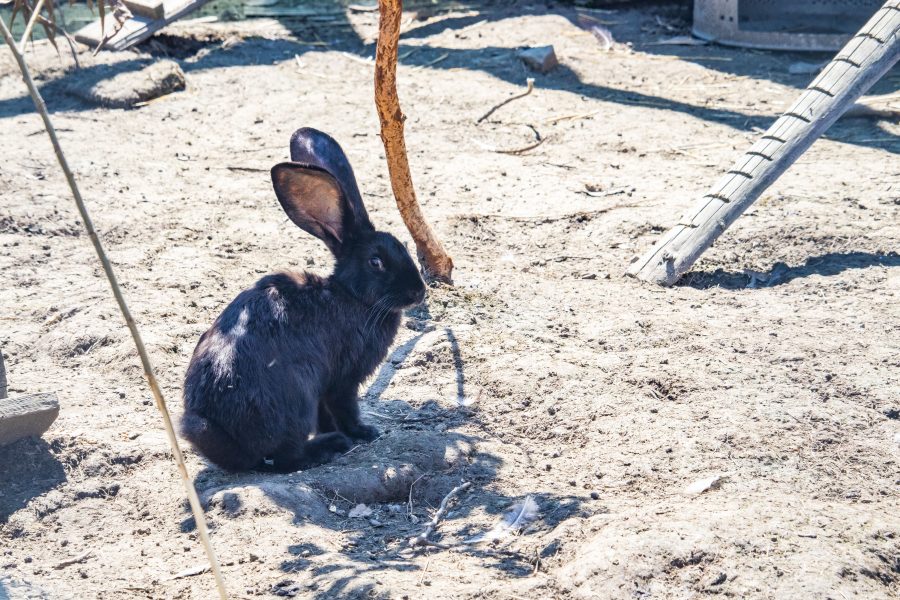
813,25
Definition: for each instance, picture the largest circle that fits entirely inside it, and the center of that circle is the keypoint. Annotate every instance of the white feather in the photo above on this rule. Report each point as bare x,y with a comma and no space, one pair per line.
517,518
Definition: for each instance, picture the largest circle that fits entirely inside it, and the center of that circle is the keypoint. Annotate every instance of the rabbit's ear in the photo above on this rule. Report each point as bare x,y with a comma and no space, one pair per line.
313,199
317,149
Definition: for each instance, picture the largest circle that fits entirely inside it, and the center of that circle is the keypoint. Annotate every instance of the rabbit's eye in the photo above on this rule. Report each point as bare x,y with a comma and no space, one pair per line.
376,263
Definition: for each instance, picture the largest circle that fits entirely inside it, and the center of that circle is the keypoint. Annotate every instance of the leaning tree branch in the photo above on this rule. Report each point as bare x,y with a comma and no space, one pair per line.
193,500
436,263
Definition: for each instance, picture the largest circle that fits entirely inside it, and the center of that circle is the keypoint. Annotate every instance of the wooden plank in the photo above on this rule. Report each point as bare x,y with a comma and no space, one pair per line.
26,415
152,9
862,62
138,28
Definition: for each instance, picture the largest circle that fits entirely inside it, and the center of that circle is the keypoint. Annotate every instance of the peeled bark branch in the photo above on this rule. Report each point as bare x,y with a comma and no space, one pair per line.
436,263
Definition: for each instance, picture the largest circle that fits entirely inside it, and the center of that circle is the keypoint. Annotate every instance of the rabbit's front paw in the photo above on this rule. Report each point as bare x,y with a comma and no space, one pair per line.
363,433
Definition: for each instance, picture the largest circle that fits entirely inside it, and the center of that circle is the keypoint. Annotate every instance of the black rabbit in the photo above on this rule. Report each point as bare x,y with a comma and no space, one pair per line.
286,357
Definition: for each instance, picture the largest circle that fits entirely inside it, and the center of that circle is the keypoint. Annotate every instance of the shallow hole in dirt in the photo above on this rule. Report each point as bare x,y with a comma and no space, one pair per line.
381,472
178,47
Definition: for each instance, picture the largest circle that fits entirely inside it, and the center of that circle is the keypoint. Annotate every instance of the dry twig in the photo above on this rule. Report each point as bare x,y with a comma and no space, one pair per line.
433,62
198,570
35,13
422,538
73,561
515,151
409,510
556,120
111,35
529,82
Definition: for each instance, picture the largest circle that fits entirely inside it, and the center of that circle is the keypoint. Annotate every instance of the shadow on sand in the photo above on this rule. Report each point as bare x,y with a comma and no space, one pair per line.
826,265
406,471
29,469
498,61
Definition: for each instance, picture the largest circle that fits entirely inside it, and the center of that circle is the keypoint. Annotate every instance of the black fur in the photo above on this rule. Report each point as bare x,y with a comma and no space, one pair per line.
286,358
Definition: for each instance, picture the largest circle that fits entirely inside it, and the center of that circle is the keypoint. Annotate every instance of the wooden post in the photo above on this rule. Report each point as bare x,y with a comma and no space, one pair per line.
436,263
862,62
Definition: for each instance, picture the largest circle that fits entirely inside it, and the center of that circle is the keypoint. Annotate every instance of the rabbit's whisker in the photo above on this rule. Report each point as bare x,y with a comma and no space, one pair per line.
369,312
373,324
384,313
385,306
373,311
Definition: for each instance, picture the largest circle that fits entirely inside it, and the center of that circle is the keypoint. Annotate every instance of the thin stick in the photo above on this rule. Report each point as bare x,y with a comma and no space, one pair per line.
247,169
65,34
515,151
433,62
73,561
436,263
529,82
366,60
123,307
556,120
422,538
34,17
409,510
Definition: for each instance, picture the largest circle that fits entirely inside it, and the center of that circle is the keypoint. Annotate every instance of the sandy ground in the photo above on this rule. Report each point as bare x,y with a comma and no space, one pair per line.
544,372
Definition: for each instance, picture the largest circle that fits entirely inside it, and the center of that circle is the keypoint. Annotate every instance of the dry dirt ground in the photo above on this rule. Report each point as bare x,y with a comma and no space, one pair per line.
544,372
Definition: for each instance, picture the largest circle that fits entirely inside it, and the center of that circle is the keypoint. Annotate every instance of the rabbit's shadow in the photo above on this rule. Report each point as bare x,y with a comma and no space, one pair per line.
355,580
408,450
409,469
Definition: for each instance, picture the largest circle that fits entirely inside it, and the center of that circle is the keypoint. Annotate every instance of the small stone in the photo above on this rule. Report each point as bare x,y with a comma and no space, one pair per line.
360,511
595,496
418,325
541,59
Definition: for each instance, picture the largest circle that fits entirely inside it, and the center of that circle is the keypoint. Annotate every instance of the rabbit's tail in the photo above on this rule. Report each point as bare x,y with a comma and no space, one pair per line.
215,443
